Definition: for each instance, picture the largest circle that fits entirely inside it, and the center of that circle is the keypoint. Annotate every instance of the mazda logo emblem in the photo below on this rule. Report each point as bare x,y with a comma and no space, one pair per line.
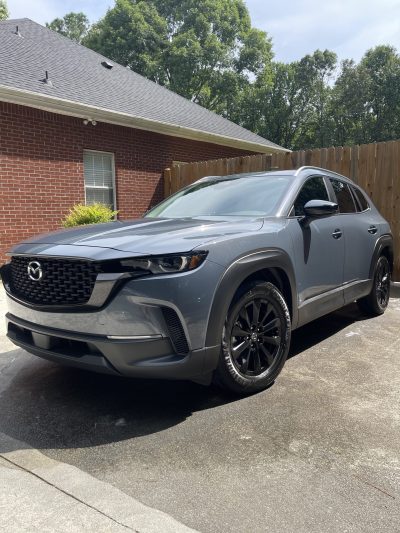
35,271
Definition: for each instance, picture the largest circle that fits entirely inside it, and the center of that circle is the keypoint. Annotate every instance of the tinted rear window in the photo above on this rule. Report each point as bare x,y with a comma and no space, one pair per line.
343,196
361,199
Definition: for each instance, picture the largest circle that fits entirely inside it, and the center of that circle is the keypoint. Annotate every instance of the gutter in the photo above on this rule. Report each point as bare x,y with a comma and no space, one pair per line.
70,108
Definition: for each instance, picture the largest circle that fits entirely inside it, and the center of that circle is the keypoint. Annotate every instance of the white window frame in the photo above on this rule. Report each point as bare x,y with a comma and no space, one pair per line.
114,207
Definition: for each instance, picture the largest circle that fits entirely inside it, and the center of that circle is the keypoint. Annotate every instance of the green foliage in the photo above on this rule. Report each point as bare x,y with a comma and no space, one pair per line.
352,119
289,103
204,50
302,105
317,71
366,98
81,215
73,25
4,13
132,34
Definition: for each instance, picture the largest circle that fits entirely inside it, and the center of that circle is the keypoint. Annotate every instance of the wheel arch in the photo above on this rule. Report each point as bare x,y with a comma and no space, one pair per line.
383,246
272,265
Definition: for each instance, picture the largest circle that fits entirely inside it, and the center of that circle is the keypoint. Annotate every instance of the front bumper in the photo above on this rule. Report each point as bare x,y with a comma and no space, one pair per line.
150,327
146,357
137,307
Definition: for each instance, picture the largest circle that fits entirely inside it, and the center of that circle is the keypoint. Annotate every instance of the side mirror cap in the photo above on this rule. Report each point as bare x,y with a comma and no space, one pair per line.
320,208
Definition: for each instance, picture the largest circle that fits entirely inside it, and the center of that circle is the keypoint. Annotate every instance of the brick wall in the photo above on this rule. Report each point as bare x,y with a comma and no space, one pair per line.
41,167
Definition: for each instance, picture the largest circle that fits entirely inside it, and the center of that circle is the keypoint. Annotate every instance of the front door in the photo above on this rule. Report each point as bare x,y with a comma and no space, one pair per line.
318,254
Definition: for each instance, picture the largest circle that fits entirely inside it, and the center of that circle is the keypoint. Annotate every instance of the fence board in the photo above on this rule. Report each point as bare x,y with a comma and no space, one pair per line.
354,163
323,158
393,174
315,159
395,225
345,166
167,182
381,185
371,169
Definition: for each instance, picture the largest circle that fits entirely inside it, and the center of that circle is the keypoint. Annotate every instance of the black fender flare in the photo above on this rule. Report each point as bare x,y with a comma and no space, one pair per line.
235,274
384,241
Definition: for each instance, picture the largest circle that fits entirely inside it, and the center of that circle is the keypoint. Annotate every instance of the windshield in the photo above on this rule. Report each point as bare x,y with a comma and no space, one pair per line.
239,196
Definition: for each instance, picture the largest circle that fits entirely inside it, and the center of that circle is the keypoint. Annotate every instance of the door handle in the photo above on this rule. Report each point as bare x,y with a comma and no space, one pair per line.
337,234
372,230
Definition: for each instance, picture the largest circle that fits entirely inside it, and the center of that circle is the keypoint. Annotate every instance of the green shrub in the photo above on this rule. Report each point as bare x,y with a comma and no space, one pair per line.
80,215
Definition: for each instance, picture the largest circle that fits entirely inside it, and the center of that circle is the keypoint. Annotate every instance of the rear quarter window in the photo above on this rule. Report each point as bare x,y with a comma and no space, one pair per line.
360,198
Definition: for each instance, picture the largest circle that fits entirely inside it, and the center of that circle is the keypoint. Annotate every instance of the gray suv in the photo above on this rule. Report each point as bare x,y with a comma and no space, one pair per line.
208,285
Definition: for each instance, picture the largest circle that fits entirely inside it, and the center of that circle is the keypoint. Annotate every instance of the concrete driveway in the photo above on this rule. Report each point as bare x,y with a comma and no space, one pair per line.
319,451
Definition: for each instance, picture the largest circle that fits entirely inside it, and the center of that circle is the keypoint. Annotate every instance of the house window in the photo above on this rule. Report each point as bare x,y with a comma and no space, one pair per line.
99,178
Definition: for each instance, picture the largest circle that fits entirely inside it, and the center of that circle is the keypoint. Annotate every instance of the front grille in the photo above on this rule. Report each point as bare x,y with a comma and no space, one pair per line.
175,330
63,281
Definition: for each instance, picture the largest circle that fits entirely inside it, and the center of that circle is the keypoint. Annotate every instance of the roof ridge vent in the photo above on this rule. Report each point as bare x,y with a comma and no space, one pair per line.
47,80
107,64
17,32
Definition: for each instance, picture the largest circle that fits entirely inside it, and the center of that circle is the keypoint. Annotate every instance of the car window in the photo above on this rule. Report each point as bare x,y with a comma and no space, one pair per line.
362,202
313,189
343,196
241,195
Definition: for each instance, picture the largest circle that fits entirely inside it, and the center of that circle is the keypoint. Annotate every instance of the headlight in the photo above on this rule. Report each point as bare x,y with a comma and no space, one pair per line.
165,264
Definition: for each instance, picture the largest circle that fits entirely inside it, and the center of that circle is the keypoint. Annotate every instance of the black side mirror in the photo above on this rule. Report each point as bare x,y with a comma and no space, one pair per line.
320,208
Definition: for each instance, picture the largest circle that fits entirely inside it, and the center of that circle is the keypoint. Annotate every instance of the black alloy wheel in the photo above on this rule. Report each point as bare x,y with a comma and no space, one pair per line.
382,283
255,339
376,302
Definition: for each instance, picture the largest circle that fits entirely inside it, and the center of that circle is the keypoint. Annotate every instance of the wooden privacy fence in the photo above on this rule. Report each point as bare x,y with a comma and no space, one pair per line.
375,167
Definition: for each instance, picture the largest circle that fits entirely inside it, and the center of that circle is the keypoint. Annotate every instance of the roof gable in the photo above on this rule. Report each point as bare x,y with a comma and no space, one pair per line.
79,79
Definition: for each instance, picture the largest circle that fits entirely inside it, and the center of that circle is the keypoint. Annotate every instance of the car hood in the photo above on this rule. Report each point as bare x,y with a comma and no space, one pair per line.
144,236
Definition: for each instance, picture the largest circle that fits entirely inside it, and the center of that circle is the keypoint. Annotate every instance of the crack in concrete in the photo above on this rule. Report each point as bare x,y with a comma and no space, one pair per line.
374,487
69,494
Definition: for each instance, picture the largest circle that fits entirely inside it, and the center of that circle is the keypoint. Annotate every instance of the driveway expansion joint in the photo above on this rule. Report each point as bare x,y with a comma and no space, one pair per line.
67,493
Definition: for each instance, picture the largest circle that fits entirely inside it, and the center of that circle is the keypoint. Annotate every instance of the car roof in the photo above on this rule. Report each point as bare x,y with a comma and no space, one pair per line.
301,172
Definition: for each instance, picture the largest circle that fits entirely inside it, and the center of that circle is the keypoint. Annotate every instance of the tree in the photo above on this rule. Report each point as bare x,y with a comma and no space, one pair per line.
134,35
73,25
366,98
205,50
289,103
381,67
315,73
4,14
351,116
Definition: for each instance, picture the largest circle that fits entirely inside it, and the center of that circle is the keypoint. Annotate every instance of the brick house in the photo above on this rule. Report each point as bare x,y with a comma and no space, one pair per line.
75,128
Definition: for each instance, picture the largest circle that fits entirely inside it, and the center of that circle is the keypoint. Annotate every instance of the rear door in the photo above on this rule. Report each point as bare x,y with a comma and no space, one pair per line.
318,254
361,231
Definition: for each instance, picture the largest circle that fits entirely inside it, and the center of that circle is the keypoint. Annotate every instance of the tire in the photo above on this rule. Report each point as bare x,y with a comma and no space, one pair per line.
251,360
378,299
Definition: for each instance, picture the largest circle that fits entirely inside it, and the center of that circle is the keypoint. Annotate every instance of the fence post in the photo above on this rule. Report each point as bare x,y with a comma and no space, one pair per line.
167,182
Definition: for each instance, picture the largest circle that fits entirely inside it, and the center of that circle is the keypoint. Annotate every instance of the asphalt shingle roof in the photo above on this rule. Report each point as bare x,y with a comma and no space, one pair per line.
77,75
